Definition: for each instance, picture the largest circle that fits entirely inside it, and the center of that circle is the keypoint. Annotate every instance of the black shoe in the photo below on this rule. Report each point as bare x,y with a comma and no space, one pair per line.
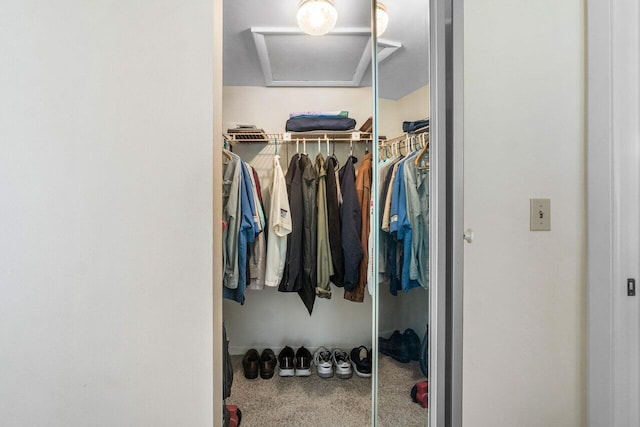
361,361
395,346
303,362
286,362
413,343
268,364
251,364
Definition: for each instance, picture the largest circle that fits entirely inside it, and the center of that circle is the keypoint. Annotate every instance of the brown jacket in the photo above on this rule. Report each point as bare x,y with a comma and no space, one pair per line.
363,191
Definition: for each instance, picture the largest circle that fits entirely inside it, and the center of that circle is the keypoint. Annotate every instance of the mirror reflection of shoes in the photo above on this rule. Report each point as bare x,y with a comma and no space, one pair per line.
413,343
420,393
395,346
268,363
251,364
361,361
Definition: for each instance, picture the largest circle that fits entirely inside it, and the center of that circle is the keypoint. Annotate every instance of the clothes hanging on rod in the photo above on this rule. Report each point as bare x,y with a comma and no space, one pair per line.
232,177
351,222
312,231
400,227
300,267
323,258
248,230
280,226
417,189
334,200
258,248
363,193
404,222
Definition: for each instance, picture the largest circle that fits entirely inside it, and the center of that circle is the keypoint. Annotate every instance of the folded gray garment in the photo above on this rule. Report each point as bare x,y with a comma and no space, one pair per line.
303,124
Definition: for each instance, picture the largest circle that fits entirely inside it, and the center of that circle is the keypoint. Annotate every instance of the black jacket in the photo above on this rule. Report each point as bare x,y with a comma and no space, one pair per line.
351,225
291,276
333,217
310,231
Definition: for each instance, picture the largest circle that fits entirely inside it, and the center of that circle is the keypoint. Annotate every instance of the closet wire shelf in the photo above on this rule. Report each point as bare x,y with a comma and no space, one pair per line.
235,136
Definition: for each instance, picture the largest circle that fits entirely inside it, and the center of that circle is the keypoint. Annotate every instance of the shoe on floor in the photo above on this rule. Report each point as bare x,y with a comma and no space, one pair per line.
361,361
395,346
413,344
324,363
286,362
251,364
268,364
420,393
303,362
342,362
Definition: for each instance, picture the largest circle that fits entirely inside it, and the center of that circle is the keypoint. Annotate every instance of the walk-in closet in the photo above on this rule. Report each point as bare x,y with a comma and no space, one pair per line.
325,146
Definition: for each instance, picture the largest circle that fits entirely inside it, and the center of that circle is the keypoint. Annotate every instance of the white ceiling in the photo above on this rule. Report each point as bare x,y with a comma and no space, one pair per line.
403,72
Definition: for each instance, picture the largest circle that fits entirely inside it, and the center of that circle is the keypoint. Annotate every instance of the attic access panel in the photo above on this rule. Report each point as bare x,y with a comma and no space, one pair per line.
289,57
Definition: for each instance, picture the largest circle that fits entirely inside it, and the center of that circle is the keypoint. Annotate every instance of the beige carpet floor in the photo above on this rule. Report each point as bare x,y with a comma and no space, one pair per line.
313,401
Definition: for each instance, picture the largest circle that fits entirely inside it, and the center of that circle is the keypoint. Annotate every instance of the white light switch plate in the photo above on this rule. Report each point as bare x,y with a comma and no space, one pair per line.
540,214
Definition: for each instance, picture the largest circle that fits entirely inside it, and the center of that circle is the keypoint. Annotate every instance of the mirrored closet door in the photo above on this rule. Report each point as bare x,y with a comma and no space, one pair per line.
402,228
325,211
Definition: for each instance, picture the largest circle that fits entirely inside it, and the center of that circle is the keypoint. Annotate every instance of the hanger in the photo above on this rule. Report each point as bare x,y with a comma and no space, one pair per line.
327,142
319,147
276,144
351,147
366,147
422,152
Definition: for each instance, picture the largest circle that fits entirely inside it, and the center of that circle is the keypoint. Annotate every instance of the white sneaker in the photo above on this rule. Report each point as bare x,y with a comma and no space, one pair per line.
342,361
324,362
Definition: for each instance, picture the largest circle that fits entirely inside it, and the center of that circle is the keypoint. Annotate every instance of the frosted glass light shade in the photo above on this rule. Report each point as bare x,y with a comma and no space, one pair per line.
317,17
382,19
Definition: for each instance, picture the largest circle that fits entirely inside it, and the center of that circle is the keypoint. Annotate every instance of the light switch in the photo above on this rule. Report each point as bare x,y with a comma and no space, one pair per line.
540,214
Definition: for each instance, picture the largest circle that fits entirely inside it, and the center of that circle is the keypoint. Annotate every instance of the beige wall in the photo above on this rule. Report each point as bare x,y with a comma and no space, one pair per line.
524,292
411,107
105,225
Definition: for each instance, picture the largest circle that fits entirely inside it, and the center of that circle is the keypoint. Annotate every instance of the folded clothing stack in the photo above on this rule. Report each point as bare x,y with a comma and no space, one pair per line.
414,126
320,120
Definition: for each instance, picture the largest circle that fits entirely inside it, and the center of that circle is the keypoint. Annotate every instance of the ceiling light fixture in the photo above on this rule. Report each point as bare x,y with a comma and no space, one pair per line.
317,17
382,19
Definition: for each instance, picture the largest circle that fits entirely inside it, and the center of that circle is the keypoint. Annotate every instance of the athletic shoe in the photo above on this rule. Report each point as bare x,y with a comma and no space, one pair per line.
324,363
342,362
361,361
303,362
286,362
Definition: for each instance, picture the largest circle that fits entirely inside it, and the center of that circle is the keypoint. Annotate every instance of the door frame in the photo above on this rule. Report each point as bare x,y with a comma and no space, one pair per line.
446,99
446,81
607,48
